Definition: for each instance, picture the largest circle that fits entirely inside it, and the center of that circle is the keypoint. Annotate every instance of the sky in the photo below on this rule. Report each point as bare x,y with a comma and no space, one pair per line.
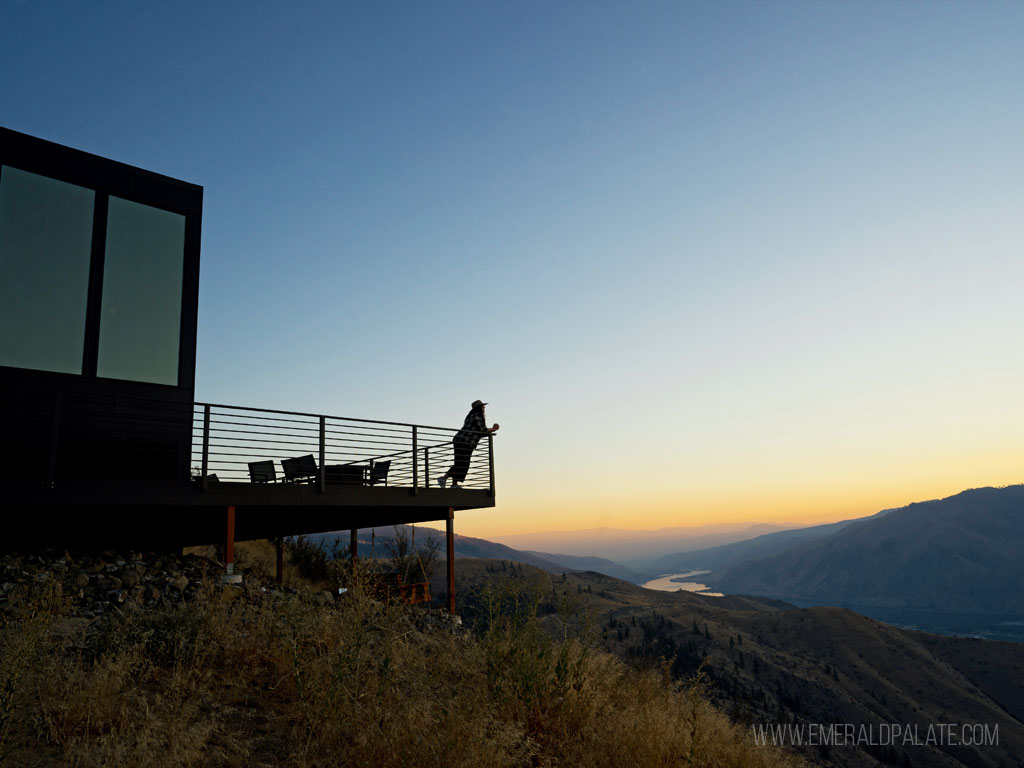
707,261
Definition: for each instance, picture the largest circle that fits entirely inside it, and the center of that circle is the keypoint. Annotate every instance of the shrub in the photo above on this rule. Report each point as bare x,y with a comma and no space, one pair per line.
413,563
309,558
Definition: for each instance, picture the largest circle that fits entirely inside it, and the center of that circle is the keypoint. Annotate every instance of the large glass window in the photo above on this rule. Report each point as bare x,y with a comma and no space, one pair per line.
45,247
140,324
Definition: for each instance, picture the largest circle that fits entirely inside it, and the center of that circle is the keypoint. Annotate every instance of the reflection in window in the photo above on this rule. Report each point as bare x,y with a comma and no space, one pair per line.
45,246
140,324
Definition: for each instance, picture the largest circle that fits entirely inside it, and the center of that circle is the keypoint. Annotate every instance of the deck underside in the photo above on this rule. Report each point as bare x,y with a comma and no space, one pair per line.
171,515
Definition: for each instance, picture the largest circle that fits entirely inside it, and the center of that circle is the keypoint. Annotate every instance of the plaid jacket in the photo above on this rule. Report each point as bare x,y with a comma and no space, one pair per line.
472,430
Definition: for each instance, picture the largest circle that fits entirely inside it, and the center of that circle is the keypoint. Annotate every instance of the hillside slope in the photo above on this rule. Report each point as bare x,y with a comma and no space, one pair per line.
770,662
261,676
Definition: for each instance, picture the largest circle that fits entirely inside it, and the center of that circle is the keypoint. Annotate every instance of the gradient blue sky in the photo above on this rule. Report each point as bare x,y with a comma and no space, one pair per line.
708,261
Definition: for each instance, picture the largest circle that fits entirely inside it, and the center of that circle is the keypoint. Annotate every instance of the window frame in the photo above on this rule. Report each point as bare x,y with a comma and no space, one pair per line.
77,260
109,177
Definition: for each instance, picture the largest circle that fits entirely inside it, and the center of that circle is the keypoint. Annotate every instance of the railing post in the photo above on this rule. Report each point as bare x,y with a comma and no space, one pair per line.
206,445
323,453
426,467
415,463
490,458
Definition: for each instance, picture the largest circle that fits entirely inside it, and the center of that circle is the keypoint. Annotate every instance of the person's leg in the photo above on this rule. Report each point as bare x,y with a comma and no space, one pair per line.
443,479
461,465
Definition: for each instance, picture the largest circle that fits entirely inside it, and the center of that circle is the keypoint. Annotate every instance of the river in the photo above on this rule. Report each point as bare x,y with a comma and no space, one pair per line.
673,582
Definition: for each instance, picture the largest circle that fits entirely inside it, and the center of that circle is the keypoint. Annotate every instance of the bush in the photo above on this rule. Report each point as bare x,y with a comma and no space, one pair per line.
414,564
309,558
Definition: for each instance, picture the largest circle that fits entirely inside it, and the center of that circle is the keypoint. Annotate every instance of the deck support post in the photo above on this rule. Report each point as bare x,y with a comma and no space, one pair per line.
230,577
279,576
353,545
450,536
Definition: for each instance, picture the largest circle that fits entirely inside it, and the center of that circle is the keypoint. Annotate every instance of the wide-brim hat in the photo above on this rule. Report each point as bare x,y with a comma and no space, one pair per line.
478,404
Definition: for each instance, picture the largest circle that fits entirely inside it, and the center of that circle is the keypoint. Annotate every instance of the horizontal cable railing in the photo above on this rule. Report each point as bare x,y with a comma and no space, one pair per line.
233,444
79,436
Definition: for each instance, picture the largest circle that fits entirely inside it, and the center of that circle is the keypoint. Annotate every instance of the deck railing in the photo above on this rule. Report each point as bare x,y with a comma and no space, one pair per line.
227,439
73,437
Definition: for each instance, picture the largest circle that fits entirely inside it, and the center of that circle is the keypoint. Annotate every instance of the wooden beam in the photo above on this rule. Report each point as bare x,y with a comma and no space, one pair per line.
353,546
230,577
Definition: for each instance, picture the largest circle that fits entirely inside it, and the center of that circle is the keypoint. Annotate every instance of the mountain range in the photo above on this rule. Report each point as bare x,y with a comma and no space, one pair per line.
718,558
636,548
468,546
962,554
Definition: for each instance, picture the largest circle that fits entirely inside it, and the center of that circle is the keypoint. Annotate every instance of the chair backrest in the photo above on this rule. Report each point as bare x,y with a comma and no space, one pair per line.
262,471
300,467
379,473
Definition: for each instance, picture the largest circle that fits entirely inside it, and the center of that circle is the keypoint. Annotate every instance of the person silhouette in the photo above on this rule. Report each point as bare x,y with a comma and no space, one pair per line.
465,442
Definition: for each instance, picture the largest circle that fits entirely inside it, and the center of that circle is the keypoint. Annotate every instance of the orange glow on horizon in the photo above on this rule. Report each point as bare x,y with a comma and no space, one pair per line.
519,513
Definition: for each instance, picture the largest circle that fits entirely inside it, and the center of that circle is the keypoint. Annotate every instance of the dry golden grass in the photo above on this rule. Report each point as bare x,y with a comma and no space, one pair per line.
235,679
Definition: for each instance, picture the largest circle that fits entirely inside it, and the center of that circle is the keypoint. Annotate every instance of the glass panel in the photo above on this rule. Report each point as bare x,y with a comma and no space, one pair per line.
142,273
45,247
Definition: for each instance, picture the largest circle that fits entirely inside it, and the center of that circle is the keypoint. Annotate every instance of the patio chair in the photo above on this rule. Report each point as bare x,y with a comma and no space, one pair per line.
262,472
301,469
379,472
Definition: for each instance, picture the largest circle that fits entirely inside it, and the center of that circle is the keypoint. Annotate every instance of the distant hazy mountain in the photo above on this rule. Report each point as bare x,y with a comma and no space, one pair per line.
467,546
717,559
964,553
636,548
597,564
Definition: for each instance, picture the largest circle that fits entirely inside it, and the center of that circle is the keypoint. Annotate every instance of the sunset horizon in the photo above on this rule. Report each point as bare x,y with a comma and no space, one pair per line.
475,523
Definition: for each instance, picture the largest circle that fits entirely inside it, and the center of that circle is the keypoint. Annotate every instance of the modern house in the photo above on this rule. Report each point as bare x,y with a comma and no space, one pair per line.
102,438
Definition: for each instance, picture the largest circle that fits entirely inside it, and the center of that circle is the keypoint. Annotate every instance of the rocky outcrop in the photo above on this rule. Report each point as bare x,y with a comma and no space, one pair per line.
93,582
100,584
